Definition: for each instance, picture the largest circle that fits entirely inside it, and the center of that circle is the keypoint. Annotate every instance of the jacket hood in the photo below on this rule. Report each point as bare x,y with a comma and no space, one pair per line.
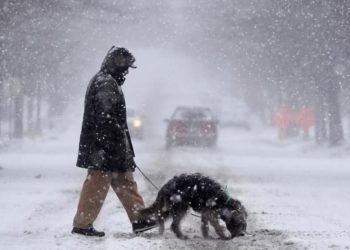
117,60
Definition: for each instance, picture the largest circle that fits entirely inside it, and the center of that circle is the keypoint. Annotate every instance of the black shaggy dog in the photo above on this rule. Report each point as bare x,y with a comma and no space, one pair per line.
203,195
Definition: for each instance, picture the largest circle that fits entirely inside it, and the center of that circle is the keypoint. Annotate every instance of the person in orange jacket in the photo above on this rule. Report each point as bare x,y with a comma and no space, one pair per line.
282,119
304,120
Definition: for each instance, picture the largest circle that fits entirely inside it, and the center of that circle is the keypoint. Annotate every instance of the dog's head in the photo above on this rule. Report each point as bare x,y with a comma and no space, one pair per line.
235,217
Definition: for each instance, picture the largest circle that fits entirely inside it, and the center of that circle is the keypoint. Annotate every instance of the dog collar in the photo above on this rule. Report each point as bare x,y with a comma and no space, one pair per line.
225,190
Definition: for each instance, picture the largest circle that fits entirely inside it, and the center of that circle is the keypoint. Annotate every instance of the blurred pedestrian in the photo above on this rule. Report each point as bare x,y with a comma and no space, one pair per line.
105,148
304,120
282,119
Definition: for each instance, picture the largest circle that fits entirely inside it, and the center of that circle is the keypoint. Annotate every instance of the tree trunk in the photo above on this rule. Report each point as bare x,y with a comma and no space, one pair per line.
38,108
1,104
336,135
320,118
30,115
18,116
10,113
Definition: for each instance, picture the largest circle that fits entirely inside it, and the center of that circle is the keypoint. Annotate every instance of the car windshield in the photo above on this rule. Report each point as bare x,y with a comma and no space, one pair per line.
192,113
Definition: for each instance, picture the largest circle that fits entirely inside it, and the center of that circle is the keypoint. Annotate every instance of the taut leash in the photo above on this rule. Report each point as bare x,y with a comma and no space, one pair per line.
148,179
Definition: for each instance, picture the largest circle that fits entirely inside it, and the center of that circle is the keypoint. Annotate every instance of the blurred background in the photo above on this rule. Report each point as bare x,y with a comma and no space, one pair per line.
254,93
280,65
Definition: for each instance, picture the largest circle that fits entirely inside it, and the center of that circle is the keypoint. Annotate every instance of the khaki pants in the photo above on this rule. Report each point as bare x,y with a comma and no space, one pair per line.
94,192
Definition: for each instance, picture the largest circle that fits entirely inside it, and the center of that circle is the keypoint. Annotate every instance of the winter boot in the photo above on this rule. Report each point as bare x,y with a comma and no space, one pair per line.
143,225
88,232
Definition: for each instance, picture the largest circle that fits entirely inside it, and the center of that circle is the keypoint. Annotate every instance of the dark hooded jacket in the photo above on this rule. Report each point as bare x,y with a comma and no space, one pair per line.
105,142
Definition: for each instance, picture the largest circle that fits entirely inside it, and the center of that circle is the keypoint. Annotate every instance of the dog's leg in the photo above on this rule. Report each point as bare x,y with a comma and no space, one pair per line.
214,221
205,225
162,214
161,226
175,225
161,218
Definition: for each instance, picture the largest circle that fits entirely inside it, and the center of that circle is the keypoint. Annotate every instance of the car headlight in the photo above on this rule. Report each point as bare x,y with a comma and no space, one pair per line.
137,123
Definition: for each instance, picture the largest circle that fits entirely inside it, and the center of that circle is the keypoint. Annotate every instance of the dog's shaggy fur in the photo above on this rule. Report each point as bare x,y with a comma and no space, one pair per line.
203,195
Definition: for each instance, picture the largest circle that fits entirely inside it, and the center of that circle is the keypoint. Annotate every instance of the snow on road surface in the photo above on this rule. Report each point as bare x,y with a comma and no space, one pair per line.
297,198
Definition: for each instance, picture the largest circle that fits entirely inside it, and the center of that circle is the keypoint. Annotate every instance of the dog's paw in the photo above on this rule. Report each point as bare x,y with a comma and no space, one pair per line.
183,237
209,237
225,238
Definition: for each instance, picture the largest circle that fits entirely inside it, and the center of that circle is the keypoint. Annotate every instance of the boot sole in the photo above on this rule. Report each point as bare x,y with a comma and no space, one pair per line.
141,230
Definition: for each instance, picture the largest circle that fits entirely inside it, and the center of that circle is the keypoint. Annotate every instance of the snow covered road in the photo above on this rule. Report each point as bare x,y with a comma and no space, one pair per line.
295,200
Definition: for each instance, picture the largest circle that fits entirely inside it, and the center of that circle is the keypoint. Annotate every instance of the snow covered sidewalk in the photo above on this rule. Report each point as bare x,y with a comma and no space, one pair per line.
295,200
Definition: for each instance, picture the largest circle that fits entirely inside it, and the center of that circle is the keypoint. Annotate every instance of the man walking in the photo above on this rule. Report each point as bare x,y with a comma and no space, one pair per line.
105,147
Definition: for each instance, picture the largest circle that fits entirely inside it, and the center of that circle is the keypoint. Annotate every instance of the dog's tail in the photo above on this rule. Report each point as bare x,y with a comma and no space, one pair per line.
149,211
152,209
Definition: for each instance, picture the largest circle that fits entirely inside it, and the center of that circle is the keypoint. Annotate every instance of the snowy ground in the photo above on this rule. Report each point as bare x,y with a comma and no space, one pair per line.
298,197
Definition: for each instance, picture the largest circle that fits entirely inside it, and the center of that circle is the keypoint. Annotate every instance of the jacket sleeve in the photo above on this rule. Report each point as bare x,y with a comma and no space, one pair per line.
110,134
